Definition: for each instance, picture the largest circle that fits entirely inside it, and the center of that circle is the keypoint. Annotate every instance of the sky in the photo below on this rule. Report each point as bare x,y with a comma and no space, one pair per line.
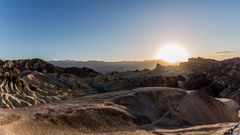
116,30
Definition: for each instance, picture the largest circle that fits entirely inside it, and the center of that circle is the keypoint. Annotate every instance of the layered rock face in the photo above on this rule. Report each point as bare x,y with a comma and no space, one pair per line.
34,82
16,92
217,78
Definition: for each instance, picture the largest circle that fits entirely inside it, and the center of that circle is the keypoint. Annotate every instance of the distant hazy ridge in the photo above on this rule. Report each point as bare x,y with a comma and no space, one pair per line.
104,67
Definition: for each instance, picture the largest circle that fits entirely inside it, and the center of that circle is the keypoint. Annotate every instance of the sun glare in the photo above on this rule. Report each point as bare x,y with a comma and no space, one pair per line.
172,53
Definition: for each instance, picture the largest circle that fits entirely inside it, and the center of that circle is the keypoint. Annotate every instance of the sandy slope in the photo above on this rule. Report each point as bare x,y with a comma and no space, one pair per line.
19,123
123,112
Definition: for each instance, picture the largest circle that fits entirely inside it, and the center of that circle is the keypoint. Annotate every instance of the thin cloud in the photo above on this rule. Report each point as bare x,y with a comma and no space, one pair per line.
225,52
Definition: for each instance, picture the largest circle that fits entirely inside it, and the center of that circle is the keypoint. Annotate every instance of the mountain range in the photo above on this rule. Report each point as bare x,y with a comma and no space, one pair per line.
104,67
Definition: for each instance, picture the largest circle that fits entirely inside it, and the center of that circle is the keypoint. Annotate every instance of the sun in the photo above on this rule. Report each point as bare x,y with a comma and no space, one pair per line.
172,53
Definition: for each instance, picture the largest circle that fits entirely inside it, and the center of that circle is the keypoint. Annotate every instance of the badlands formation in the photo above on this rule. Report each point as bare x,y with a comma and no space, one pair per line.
200,96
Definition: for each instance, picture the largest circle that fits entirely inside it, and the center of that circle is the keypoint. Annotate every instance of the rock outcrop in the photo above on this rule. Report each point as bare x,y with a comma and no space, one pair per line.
16,92
176,107
34,82
134,79
217,78
145,107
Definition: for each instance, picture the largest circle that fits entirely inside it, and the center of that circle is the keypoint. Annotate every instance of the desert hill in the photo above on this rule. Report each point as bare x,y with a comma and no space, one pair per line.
81,100
216,78
122,112
34,82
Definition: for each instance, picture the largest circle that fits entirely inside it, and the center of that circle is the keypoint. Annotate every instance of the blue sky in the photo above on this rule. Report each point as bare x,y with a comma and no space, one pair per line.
114,30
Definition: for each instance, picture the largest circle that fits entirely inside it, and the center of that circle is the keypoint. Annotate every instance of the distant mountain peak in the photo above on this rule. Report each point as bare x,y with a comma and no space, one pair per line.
159,67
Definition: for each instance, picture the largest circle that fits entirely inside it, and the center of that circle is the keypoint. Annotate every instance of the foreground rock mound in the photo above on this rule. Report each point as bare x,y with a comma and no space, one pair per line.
145,107
176,107
120,112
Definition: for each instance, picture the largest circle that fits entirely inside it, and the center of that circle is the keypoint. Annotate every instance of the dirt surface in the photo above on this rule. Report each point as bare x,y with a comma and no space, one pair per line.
153,110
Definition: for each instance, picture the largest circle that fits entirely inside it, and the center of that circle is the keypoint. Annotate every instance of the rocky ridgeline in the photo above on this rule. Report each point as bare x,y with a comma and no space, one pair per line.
160,76
45,67
34,82
217,78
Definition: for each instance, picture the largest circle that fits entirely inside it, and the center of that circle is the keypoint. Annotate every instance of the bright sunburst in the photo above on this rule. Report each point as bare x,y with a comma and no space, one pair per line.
172,53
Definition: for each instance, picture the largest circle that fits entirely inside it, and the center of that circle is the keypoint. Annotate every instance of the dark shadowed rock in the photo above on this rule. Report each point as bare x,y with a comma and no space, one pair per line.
81,72
159,68
217,78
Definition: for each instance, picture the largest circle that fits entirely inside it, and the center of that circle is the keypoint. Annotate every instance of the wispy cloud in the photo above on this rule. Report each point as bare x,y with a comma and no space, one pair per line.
225,52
